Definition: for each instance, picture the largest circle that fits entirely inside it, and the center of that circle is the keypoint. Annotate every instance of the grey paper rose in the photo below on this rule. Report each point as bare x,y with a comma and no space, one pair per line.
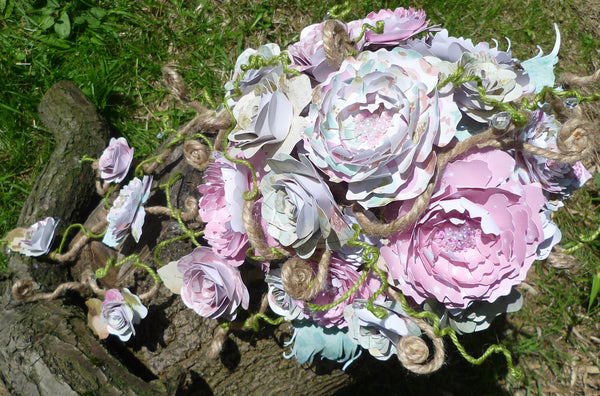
299,208
268,116
121,311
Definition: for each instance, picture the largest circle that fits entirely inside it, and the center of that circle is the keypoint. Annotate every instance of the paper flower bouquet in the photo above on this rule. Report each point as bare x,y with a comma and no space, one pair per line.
391,181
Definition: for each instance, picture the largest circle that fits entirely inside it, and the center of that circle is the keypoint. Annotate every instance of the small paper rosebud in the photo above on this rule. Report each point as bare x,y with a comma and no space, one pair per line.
115,161
33,241
120,311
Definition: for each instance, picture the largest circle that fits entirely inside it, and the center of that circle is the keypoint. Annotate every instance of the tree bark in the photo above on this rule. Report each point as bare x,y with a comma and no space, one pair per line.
46,348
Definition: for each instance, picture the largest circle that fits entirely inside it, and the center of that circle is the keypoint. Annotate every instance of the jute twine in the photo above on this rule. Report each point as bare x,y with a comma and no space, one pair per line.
79,243
576,141
196,154
256,237
413,351
336,43
190,213
23,287
298,280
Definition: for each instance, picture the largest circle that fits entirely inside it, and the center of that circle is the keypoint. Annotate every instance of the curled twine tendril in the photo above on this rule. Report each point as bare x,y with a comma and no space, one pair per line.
435,332
256,237
23,287
78,244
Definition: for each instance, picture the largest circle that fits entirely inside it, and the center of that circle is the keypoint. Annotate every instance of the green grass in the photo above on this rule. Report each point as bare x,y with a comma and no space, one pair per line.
115,49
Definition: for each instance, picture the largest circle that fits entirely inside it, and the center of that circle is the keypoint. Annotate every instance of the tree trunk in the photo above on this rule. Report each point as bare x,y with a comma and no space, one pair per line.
46,347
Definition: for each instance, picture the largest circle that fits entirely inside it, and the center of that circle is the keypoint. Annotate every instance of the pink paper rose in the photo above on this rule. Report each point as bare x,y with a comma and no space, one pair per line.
477,238
115,160
341,278
211,287
399,25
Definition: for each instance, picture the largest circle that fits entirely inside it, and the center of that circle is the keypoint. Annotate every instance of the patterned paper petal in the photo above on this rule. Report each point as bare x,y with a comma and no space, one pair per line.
37,239
310,340
541,68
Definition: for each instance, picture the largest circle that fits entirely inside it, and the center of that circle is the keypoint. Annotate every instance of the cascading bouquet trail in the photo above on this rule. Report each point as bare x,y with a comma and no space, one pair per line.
391,181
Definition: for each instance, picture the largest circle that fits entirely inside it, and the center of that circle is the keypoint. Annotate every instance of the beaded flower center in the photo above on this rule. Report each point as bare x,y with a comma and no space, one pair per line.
457,238
370,128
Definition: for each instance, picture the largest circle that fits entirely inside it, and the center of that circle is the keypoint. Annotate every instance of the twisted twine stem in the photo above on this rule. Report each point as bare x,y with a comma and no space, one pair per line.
102,272
177,213
276,254
177,139
340,11
378,28
87,158
450,332
458,78
370,256
164,243
79,243
583,240
252,321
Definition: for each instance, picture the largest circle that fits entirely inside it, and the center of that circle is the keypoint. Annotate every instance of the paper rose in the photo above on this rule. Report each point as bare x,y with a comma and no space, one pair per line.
121,311
115,161
477,238
267,118
341,278
478,316
253,76
378,336
211,287
279,301
376,124
221,205
560,180
299,208
308,54
33,241
127,212
310,340
501,84
399,25
502,77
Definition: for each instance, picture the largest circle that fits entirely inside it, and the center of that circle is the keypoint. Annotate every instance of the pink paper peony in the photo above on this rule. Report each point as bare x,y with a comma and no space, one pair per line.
221,208
115,160
211,287
376,124
477,238
399,25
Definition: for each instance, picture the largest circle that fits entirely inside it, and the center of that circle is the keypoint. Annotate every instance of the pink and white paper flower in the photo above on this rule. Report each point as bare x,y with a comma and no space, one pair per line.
211,287
376,125
477,238
127,212
115,161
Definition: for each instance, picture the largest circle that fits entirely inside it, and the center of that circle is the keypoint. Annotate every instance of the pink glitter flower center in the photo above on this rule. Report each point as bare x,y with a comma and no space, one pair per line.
370,128
456,238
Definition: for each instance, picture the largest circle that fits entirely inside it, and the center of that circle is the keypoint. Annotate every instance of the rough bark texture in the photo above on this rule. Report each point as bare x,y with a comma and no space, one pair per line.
46,347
